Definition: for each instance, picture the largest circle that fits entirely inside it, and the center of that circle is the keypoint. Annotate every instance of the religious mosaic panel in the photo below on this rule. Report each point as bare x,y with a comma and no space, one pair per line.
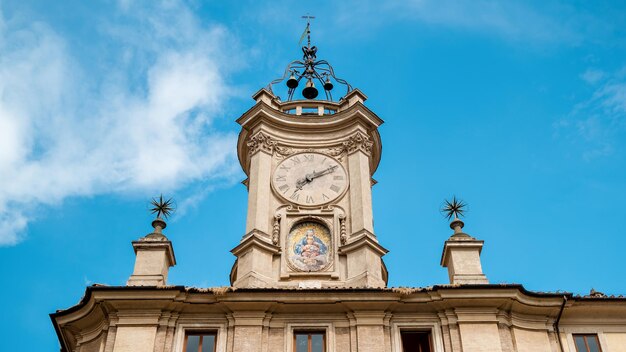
308,246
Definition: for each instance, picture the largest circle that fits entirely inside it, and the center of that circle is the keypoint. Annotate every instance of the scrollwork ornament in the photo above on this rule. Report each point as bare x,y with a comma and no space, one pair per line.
358,141
261,141
283,151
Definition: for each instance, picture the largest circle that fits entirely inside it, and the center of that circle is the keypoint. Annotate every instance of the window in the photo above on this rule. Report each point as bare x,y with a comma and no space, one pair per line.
415,341
587,343
200,342
309,341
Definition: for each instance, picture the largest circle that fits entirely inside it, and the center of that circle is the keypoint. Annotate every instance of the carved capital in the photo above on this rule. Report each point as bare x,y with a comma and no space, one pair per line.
358,141
261,141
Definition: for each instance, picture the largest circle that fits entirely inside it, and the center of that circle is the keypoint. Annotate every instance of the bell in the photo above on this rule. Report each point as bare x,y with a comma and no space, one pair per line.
292,82
309,92
328,85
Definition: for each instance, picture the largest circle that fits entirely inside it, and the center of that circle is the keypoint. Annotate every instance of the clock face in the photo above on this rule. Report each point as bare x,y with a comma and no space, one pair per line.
310,179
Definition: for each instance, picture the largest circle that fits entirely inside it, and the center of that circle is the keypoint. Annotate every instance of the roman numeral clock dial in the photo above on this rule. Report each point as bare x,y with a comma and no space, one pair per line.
310,179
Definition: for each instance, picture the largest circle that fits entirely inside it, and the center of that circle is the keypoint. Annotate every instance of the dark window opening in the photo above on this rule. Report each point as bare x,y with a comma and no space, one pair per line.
587,343
415,341
200,342
309,341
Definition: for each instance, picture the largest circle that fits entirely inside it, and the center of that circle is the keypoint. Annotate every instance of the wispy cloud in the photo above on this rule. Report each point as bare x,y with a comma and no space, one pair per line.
599,122
139,118
519,21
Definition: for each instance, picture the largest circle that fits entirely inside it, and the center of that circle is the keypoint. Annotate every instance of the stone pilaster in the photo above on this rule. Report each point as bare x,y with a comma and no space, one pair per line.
248,334
261,148
358,147
370,331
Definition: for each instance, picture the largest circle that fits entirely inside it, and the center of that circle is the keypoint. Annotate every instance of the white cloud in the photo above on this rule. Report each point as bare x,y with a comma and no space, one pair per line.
592,75
598,124
139,120
542,22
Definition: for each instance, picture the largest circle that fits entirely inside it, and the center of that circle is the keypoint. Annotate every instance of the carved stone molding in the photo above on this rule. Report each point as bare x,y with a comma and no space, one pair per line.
276,229
358,141
283,151
343,237
261,141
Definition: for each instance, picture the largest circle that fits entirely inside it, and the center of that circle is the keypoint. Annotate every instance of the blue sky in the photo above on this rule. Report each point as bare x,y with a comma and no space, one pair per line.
519,108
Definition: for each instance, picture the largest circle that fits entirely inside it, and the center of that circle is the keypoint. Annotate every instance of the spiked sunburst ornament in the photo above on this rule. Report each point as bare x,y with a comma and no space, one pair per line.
162,207
454,208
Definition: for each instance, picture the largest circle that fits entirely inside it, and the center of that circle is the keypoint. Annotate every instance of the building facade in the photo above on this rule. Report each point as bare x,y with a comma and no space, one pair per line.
309,274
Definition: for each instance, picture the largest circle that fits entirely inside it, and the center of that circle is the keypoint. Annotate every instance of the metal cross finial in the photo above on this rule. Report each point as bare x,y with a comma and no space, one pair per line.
307,30
310,71
161,207
455,208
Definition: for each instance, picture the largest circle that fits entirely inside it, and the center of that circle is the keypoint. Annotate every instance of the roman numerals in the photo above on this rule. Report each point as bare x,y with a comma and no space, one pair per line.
284,188
309,179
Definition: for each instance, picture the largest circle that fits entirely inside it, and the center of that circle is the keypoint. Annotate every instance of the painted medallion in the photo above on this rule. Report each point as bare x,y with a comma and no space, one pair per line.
309,245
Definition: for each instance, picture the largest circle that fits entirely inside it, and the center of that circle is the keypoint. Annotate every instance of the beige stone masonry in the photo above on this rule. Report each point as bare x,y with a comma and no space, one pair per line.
461,255
154,255
344,131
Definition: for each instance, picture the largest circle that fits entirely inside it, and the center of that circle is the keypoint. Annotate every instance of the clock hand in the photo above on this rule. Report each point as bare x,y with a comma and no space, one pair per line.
323,172
303,181
308,178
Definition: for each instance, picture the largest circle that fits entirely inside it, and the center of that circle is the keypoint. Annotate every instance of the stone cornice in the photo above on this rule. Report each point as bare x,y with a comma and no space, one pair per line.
306,132
148,245
258,240
514,305
363,239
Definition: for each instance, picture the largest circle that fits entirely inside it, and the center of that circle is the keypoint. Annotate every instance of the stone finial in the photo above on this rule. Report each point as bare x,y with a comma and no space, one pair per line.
154,254
461,252
457,225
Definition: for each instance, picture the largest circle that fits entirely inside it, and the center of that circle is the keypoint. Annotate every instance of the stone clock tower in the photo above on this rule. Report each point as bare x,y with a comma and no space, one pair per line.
309,165
309,274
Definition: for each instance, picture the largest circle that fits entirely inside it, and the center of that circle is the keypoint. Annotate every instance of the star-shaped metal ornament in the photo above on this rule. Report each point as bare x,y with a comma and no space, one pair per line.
455,208
161,207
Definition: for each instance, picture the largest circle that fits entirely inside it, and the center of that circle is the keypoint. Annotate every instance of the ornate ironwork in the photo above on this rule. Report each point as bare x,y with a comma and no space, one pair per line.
161,207
455,208
310,70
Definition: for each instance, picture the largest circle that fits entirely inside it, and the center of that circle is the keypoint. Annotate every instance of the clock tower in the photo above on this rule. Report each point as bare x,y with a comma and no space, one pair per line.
309,164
